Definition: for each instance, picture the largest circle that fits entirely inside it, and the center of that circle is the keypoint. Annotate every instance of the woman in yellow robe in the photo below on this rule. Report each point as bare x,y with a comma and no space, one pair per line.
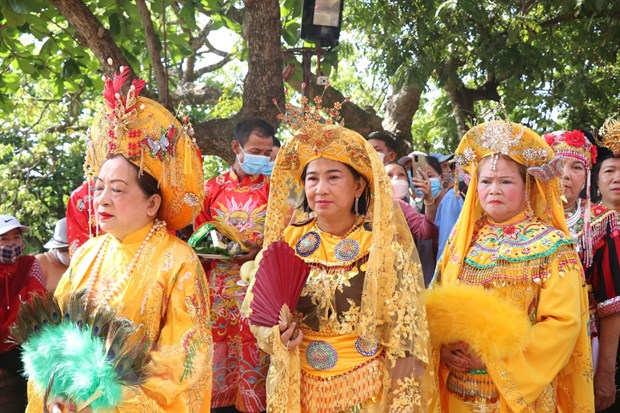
143,190
362,341
508,310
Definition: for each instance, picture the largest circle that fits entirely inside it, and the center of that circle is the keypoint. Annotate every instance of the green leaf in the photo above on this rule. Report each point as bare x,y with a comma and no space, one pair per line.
286,7
115,24
220,21
212,5
188,13
26,66
290,33
25,6
11,82
70,68
48,48
13,19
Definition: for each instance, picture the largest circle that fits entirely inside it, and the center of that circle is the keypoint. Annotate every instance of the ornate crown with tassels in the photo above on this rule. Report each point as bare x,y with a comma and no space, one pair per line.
150,137
81,353
319,132
610,135
516,141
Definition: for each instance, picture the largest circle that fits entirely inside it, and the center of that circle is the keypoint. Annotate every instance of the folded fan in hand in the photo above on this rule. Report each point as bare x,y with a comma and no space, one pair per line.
280,279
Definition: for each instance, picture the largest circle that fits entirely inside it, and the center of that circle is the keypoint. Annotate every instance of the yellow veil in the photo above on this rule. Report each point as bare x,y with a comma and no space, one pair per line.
525,147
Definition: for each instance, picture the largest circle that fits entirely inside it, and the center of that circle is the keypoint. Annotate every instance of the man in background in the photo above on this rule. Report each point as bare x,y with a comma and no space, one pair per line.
238,198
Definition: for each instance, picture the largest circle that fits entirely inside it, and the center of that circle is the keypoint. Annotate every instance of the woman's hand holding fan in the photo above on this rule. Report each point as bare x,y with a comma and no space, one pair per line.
280,279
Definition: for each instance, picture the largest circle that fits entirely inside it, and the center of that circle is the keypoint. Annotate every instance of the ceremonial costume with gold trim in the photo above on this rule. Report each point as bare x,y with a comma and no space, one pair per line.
603,275
513,291
365,339
150,278
608,146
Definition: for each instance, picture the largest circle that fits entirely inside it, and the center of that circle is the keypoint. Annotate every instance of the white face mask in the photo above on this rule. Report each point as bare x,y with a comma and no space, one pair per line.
381,156
63,257
401,188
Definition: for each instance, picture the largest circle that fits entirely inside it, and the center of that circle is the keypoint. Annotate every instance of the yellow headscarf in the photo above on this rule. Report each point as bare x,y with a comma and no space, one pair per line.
150,137
525,147
392,252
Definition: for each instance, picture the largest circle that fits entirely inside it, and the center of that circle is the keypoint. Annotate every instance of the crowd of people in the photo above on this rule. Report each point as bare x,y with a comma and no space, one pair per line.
486,279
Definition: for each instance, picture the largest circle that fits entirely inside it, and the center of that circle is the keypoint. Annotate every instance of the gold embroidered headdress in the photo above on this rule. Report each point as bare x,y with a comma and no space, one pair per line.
609,141
525,147
150,137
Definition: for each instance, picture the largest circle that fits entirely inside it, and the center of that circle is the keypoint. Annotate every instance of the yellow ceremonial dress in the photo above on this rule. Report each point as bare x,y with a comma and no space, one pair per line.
166,297
534,268
334,369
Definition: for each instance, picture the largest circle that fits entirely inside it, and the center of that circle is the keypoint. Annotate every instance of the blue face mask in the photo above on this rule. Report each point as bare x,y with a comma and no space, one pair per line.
269,168
253,164
435,186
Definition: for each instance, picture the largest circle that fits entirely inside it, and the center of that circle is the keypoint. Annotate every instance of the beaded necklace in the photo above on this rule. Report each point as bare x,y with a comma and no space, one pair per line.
356,225
103,298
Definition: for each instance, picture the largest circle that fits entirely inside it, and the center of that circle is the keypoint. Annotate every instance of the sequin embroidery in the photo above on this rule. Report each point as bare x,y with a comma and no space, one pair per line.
346,250
321,355
366,347
308,244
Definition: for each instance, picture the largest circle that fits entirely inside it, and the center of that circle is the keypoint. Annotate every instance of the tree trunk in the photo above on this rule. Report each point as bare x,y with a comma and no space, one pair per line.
93,35
399,111
214,137
263,82
463,98
354,117
153,45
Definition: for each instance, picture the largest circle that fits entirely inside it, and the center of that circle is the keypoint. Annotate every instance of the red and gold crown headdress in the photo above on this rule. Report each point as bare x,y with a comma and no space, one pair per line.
573,144
150,137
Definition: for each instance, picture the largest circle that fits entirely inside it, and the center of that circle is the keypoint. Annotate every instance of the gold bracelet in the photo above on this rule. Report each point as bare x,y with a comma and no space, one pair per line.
430,203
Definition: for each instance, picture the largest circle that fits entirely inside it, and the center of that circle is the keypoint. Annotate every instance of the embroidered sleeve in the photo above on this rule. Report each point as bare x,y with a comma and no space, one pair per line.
180,374
557,343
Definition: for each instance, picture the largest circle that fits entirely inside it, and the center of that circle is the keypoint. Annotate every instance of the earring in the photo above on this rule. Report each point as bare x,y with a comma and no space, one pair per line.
356,205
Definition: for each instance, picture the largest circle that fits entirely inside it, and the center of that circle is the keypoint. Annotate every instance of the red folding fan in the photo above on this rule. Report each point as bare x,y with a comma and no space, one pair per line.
279,280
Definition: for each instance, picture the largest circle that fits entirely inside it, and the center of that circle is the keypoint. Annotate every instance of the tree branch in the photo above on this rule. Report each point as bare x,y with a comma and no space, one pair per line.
355,118
196,94
211,68
214,137
153,46
93,34
399,111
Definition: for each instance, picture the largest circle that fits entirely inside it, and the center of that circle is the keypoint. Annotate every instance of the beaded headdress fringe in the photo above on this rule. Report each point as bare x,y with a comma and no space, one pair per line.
505,273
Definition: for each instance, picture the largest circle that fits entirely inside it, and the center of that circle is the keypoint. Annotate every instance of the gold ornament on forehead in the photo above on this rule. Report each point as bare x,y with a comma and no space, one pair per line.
320,132
499,137
610,132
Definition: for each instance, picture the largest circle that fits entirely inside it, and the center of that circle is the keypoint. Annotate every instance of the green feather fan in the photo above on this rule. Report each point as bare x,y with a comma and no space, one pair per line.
81,353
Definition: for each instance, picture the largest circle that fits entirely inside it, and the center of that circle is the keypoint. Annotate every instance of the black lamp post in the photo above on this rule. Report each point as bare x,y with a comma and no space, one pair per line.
321,21
320,24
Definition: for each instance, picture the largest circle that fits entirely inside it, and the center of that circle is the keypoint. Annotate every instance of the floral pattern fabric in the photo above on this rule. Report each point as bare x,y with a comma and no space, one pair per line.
239,367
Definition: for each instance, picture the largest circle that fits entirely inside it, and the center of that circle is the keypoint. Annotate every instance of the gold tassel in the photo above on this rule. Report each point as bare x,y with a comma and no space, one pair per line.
187,167
344,391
